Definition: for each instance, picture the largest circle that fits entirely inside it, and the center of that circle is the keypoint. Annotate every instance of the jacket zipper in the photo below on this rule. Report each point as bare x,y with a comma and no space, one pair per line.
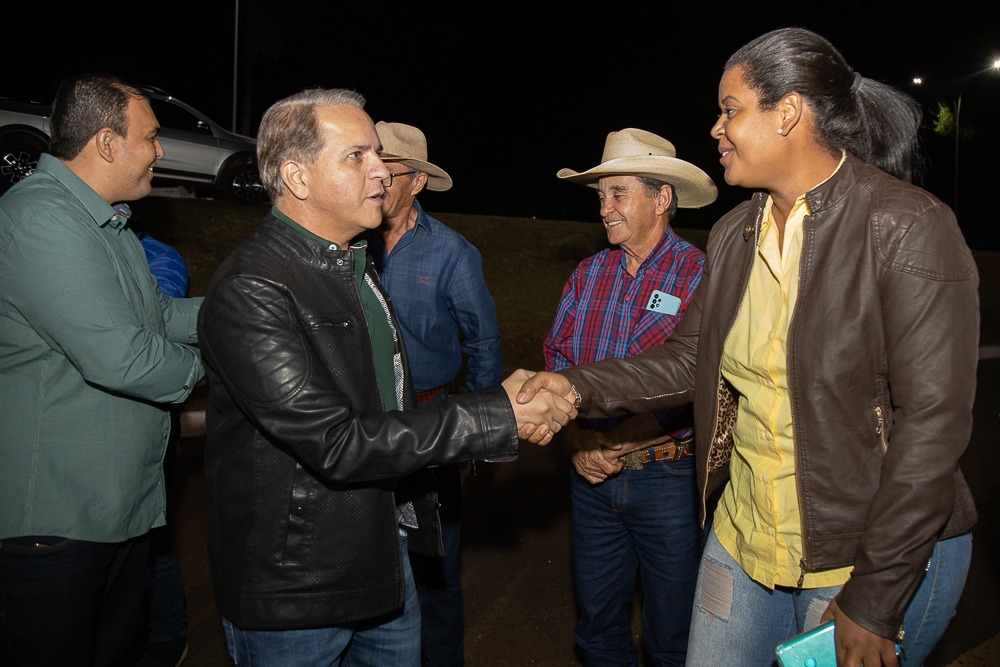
880,428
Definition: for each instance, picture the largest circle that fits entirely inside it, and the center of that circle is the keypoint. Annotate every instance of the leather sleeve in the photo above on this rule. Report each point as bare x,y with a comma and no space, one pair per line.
930,308
301,382
658,378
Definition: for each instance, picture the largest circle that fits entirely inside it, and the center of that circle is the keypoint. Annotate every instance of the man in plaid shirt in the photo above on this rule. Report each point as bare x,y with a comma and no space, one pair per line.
633,495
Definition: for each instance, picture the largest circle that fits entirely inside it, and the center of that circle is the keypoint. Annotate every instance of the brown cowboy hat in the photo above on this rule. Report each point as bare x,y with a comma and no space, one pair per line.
407,145
632,152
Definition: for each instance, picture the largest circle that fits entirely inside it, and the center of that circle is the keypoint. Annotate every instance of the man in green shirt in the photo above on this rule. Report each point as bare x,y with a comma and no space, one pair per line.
91,356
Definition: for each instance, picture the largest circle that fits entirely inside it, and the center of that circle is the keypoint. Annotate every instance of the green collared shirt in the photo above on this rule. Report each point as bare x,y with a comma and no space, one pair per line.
91,355
381,328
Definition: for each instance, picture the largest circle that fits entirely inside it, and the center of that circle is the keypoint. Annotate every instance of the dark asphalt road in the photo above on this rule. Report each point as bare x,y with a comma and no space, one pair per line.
516,560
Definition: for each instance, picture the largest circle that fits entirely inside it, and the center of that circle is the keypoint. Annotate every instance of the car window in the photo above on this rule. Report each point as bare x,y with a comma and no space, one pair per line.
176,118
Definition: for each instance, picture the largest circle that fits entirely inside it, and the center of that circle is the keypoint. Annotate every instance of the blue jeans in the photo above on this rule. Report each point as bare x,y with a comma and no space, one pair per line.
639,520
739,622
69,602
439,581
390,640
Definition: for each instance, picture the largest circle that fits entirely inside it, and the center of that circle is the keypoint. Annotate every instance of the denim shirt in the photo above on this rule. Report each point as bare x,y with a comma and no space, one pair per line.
91,355
435,279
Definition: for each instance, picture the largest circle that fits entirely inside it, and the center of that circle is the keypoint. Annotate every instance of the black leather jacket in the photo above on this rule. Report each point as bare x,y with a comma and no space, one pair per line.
304,466
882,352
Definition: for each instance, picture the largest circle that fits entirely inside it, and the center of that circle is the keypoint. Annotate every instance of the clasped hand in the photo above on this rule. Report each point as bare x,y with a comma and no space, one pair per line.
530,387
540,415
594,456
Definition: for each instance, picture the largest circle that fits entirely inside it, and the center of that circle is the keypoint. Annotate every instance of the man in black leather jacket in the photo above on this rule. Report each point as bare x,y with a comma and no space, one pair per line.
311,437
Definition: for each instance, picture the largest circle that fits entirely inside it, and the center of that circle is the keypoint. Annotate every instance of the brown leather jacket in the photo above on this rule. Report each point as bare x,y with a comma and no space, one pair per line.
882,352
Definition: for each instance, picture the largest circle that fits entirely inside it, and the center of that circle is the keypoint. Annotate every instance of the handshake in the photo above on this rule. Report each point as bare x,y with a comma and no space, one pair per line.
543,403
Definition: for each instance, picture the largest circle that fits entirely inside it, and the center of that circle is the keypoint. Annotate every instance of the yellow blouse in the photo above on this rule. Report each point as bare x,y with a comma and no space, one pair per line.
757,519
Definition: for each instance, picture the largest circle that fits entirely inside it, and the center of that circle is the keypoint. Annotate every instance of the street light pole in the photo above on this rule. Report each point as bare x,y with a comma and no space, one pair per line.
236,54
958,115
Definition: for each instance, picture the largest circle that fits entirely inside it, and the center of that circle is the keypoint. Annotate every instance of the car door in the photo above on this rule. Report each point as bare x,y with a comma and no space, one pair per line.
191,150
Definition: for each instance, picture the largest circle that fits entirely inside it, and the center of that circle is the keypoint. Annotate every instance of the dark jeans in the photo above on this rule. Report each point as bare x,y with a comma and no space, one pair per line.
166,605
166,612
69,602
638,521
439,581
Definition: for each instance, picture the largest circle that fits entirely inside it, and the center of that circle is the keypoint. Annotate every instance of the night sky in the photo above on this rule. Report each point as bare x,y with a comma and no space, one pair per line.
508,93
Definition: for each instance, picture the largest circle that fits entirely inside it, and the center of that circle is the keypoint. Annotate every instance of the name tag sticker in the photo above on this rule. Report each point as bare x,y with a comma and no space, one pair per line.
661,302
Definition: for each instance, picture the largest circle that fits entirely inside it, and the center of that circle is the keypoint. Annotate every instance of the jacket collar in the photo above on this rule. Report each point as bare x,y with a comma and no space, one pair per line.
820,199
836,188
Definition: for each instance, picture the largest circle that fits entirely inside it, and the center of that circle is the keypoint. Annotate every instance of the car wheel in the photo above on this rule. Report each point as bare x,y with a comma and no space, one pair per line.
240,182
19,153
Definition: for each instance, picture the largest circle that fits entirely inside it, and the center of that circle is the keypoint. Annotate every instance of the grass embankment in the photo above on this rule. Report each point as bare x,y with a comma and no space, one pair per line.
525,261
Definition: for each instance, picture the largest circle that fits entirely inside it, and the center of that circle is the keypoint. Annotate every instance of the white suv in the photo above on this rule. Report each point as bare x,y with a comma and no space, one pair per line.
197,151
200,152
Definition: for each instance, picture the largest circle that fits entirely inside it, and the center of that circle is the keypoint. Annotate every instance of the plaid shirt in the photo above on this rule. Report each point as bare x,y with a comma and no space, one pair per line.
605,312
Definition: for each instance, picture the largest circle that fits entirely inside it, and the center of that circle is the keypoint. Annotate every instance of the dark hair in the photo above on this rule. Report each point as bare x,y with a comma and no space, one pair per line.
289,130
85,104
870,119
652,187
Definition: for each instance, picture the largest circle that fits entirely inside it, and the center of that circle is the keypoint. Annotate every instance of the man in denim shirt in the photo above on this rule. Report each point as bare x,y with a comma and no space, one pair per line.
435,279
92,354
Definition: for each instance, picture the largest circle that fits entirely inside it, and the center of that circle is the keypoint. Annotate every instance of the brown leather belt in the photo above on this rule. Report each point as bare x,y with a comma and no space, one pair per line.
670,451
430,394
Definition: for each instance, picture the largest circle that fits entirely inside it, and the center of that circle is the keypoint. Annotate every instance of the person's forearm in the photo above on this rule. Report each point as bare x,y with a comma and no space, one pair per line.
653,380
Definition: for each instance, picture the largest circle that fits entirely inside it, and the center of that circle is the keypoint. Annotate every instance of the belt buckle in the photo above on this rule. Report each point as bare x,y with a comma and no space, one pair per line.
685,448
632,461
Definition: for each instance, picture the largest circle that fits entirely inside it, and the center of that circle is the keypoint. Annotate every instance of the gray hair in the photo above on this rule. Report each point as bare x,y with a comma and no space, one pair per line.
289,130
652,186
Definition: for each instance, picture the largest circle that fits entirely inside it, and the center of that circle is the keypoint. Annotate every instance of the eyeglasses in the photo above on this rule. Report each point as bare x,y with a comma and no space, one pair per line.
387,182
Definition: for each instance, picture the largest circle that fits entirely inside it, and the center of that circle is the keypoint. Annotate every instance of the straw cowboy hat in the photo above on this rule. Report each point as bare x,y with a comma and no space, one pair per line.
632,152
407,145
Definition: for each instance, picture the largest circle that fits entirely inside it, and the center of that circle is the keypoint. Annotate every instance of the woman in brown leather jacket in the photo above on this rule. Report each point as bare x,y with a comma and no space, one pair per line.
831,353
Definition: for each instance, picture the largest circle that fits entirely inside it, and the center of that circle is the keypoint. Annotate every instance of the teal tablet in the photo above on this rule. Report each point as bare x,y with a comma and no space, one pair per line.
814,648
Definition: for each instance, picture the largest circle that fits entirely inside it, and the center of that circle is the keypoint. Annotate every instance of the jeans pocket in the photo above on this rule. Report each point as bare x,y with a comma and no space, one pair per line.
678,469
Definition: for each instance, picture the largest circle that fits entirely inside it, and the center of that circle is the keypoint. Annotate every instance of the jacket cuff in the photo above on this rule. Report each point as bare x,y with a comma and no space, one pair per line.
499,426
851,601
